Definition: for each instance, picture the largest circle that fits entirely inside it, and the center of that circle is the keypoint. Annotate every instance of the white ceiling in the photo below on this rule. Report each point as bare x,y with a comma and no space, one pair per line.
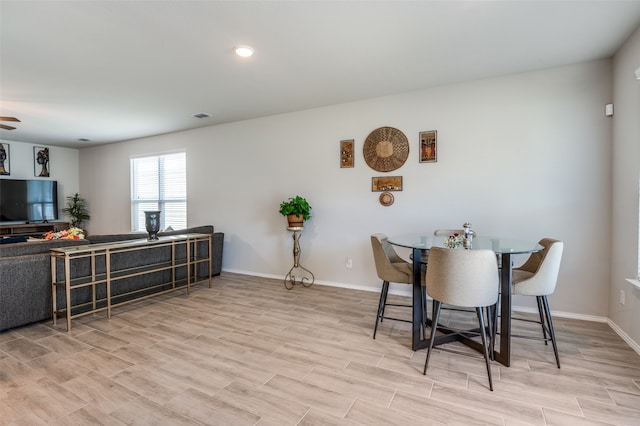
116,70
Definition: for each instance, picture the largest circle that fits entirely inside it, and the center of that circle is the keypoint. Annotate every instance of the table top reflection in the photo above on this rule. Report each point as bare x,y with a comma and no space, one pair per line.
499,245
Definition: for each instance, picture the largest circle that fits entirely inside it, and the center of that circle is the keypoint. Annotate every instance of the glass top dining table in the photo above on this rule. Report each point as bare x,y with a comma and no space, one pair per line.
503,247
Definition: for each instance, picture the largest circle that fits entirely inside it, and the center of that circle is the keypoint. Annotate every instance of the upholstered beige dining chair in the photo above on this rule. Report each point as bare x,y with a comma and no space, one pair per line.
467,279
447,233
390,267
538,277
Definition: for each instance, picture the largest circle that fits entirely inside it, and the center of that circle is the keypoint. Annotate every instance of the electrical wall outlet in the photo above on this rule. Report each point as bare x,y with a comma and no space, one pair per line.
348,262
622,297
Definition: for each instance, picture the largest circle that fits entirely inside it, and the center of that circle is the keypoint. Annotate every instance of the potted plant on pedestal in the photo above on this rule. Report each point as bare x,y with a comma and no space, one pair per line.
76,209
297,210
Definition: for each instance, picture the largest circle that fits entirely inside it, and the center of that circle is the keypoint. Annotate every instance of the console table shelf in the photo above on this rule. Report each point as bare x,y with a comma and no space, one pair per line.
105,279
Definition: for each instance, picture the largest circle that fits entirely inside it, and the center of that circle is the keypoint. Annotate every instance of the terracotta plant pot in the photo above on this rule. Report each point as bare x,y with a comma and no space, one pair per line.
295,220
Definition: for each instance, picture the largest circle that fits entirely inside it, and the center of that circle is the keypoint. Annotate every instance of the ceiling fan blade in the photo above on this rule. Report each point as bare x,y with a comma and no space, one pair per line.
4,126
9,119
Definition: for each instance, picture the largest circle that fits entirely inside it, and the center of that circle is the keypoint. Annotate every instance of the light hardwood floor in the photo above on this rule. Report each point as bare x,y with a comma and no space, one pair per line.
249,352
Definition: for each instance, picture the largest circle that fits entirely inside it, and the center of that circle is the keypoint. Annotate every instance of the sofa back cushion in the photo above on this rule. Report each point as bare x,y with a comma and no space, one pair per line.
110,238
36,247
205,229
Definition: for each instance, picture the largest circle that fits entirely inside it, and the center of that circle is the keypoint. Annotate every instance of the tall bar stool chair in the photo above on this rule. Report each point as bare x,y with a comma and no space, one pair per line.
468,279
538,277
390,267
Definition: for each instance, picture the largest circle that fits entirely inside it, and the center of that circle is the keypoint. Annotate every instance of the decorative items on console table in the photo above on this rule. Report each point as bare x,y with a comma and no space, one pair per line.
72,233
152,223
297,210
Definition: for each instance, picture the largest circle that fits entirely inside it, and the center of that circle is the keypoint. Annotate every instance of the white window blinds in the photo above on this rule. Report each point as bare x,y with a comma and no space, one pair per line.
159,183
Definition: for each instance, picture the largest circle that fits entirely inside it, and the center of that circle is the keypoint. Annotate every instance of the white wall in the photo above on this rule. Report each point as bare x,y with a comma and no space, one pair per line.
63,167
626,175
525,156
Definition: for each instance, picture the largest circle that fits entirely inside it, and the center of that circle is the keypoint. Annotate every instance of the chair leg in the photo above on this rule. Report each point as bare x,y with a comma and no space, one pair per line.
381,305
547,312
542,322
434,327
423,295
483,333
491,328
384,302
494,330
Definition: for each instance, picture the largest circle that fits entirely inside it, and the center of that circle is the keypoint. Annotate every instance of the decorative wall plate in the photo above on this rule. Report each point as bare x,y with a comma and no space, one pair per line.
386,149
386,199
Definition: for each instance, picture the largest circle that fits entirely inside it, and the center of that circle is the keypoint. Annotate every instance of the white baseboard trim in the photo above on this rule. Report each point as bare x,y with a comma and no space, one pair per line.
560,314
253,274
326,283
635,346
405,290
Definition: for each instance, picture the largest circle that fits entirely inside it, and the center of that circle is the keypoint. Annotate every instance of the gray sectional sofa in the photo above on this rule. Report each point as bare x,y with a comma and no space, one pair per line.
25,273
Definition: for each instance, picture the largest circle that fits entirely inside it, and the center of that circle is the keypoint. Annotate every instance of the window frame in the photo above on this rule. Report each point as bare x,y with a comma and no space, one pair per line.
161,202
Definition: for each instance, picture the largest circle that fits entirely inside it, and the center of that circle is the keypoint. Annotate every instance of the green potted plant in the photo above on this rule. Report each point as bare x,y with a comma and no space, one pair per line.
297,210
76,209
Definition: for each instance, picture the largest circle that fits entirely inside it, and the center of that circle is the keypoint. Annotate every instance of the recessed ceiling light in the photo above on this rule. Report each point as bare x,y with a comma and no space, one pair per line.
202,115
244,51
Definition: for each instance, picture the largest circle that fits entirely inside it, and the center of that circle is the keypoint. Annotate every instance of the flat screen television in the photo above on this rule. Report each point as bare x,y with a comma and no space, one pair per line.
28,201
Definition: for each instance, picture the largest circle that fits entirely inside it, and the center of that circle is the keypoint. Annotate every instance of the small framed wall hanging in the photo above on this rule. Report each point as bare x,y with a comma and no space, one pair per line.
41,161
346,153
386,183
429,146
5,163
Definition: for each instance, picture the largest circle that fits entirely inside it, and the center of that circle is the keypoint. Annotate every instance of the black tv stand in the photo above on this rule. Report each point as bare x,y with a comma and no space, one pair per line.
32,229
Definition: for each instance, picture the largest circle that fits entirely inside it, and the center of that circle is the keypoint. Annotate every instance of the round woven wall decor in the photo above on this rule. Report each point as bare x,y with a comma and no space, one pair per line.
386,149
386,199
